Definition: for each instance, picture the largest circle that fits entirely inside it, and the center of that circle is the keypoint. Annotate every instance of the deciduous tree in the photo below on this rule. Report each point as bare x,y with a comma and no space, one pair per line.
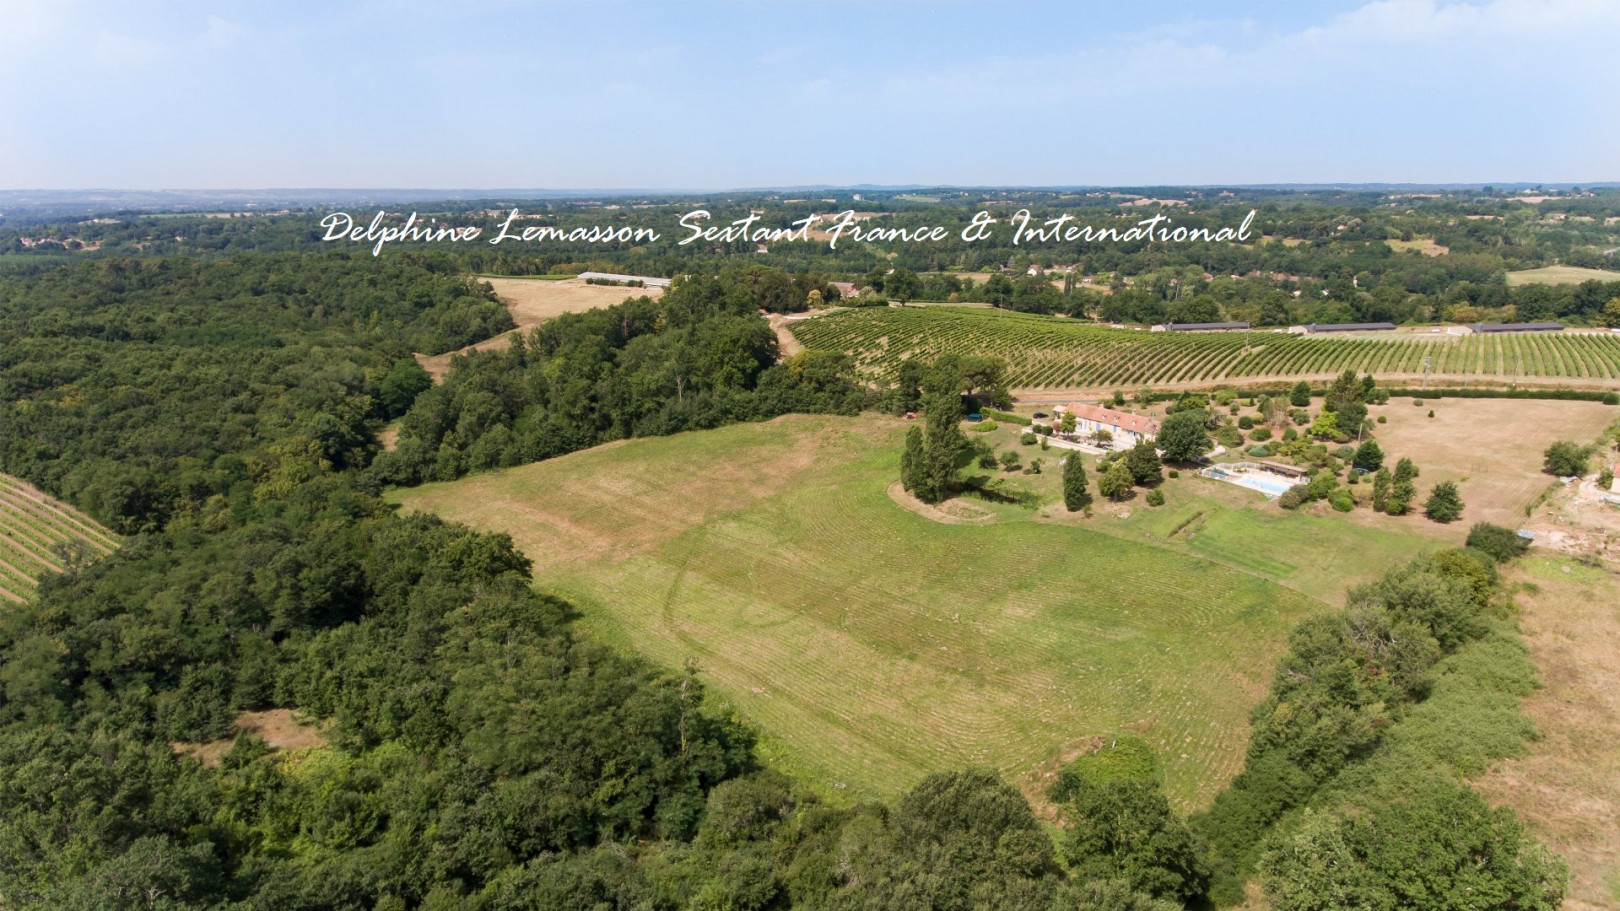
1142,461
1115,483
1183,438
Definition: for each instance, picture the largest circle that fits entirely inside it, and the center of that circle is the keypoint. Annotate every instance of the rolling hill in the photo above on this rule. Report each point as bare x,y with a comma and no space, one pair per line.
871,645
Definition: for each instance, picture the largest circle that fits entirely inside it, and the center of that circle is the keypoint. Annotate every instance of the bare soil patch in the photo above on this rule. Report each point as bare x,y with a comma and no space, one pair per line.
1577,519
955,511
786,342
276,727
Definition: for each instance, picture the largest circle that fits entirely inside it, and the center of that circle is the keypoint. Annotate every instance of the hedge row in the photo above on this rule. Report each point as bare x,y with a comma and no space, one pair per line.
1005,416
1577,395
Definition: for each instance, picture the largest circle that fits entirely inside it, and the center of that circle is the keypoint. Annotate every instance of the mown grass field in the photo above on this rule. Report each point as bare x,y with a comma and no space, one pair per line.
33,528
871,645
1056,353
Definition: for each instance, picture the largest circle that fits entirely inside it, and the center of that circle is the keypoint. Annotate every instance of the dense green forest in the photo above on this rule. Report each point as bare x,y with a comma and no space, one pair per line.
140,388
698,357
222,410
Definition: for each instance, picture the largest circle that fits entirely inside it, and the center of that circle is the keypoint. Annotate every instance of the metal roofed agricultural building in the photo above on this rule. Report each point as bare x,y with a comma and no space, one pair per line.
1350,327
1201,327
1517,327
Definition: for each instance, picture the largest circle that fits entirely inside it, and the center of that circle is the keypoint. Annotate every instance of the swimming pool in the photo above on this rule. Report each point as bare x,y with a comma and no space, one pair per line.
1269,484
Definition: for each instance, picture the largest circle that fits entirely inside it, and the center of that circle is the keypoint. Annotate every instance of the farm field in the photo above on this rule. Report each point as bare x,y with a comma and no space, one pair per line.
1495,444
1560,275
1424,245
33,527
871,645
1052,353
532,301
1567,789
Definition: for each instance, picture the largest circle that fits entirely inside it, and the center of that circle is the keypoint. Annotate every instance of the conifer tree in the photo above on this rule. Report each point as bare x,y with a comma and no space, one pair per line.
1444,503
942,443
1074,482
1381,489
1405,470
911,459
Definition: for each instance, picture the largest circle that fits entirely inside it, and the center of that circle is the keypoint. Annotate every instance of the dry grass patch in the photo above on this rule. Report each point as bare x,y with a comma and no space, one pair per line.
1424,245
1568,788
278,728
1491,447
388,437
532,301
1560,275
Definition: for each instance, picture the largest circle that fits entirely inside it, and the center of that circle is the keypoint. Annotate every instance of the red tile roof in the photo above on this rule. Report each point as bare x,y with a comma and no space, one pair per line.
1138,423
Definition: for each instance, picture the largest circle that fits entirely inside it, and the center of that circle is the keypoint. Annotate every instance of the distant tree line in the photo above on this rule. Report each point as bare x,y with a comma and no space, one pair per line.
1344,261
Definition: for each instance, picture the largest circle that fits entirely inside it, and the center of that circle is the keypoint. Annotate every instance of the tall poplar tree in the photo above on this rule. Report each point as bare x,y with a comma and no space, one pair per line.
911,460
942,443
1074,482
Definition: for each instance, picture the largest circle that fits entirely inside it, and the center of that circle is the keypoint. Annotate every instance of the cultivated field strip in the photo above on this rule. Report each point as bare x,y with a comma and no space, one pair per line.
1051,352
34,529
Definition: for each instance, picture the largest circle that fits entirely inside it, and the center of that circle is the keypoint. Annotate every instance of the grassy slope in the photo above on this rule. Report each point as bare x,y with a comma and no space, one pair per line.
32,526
871,645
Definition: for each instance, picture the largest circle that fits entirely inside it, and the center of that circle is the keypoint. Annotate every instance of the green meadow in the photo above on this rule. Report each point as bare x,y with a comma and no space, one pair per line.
870,645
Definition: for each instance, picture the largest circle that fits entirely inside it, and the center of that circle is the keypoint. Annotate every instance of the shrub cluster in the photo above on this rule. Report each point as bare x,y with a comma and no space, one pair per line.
1378,708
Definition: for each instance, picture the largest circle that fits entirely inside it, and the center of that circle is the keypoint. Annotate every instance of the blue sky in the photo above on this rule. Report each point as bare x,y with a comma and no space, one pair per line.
720,95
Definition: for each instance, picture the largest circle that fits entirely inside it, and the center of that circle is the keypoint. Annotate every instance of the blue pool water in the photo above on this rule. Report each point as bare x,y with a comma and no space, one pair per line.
1269,484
